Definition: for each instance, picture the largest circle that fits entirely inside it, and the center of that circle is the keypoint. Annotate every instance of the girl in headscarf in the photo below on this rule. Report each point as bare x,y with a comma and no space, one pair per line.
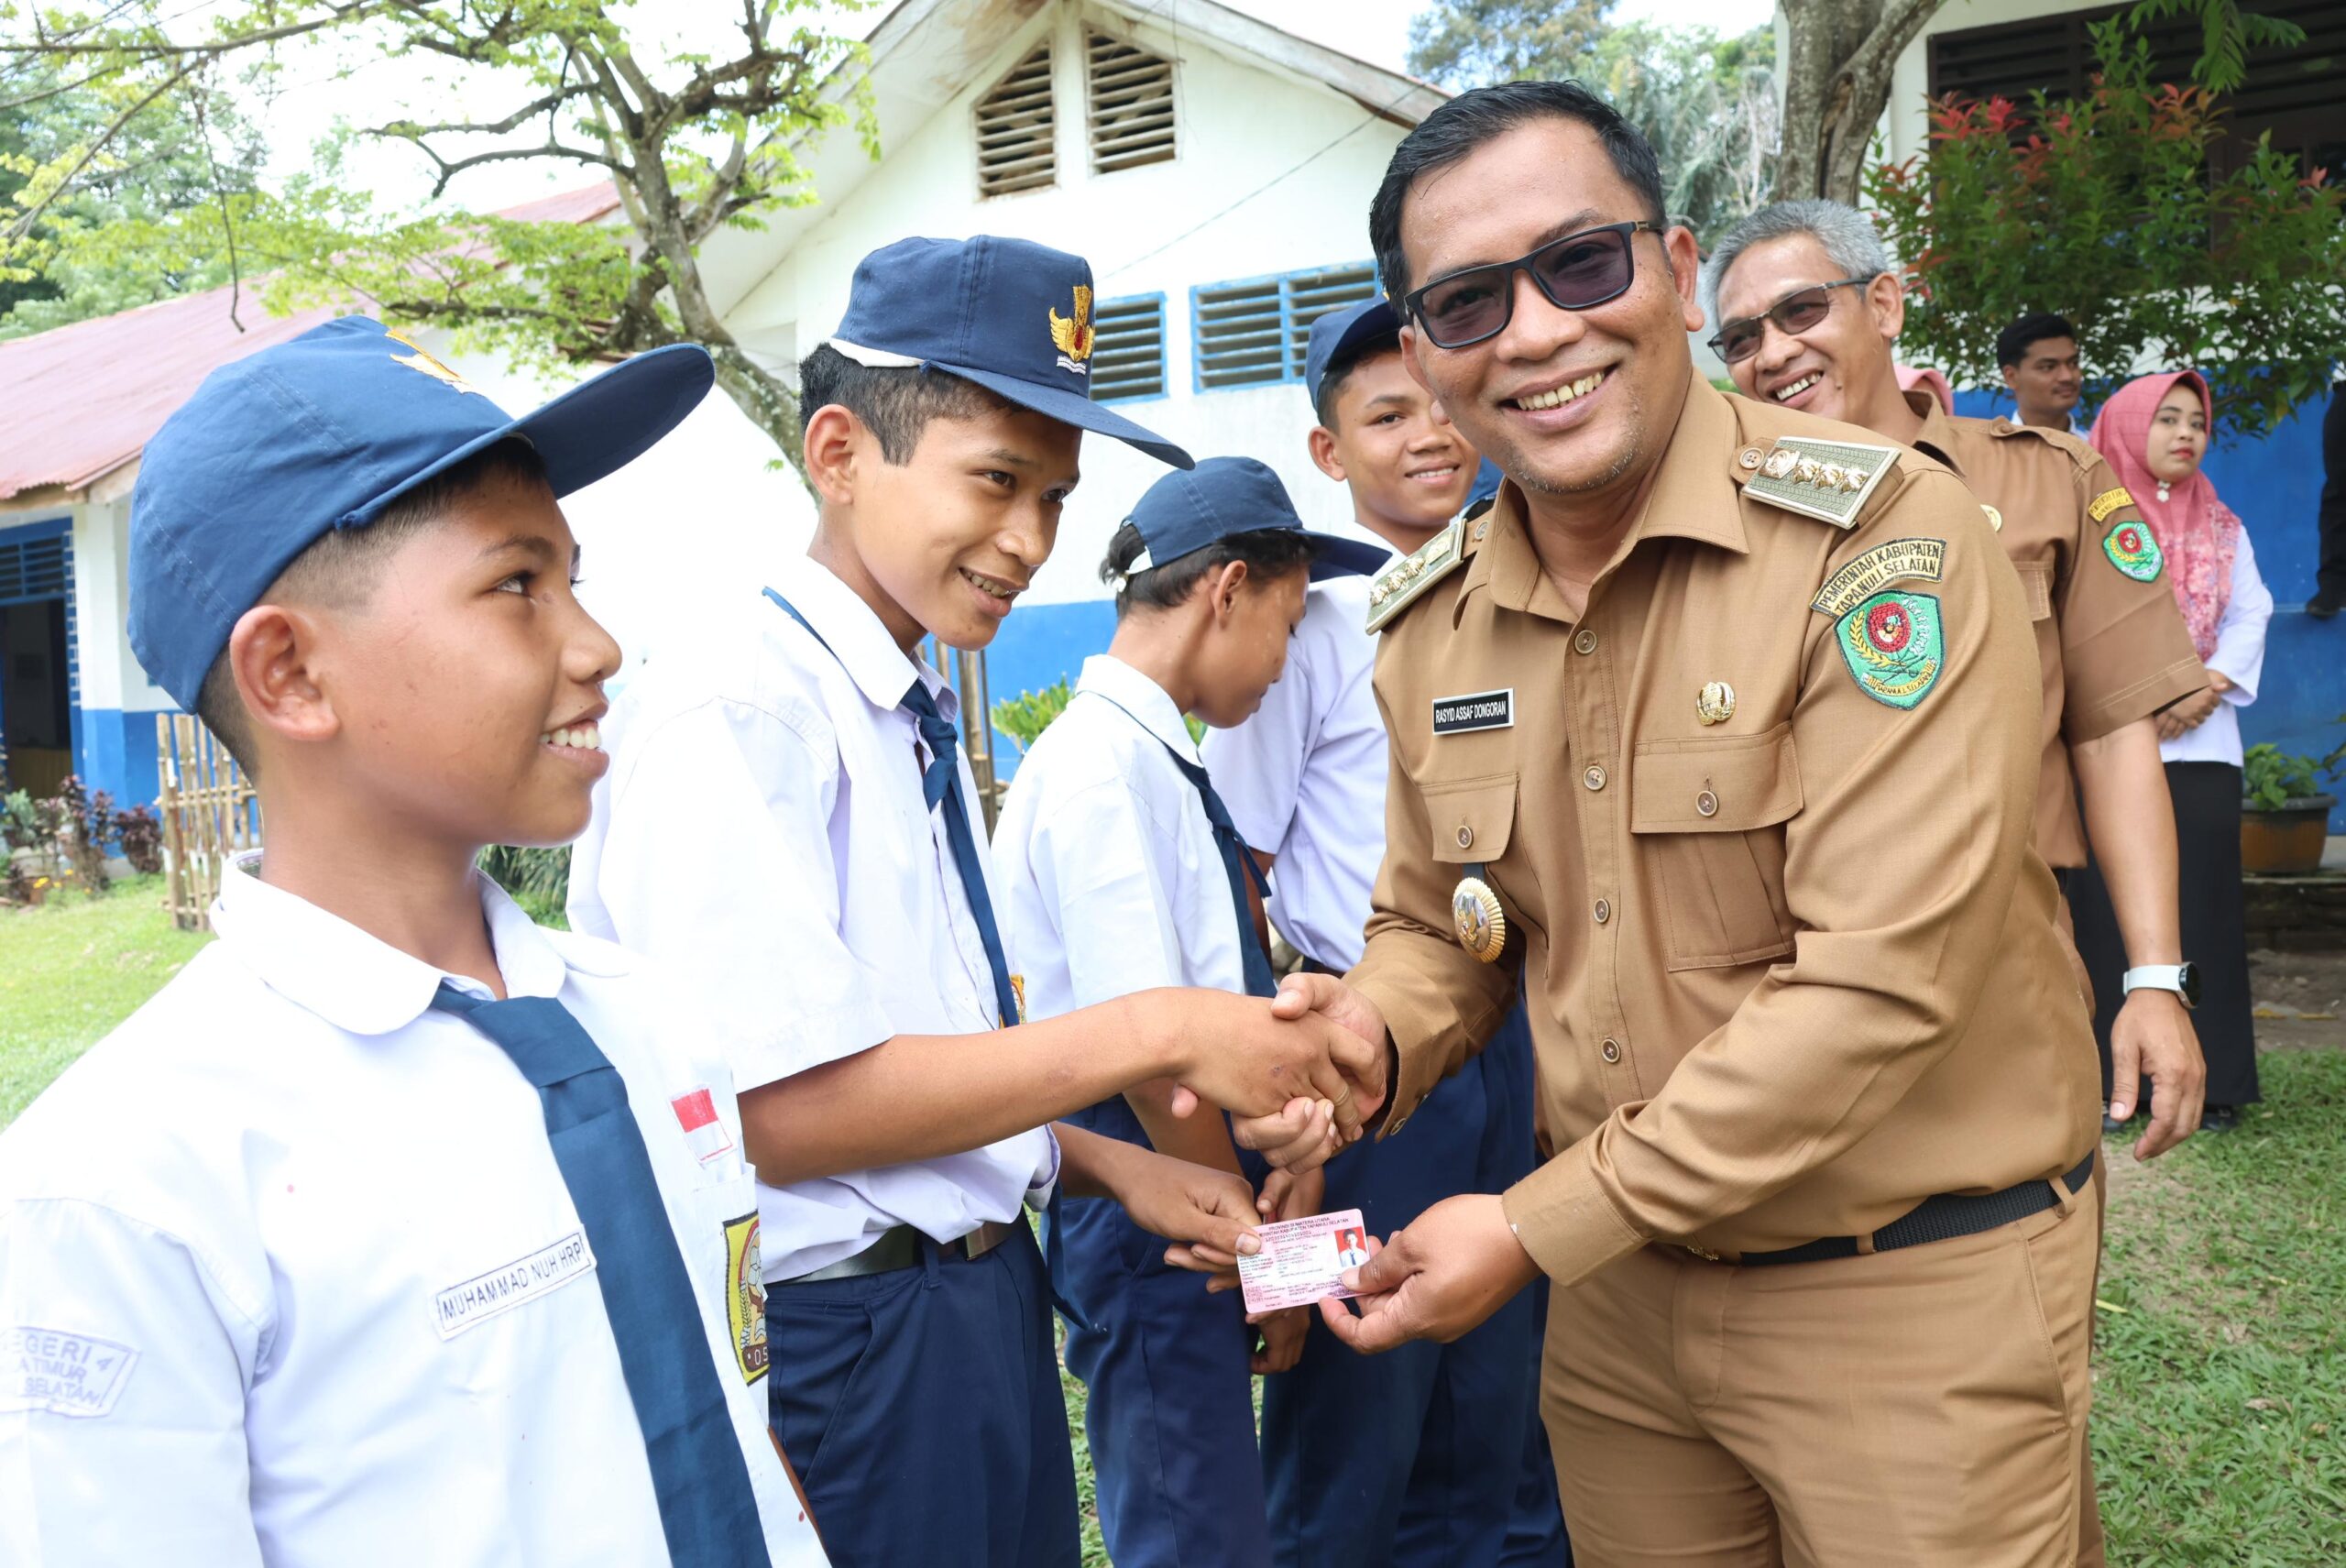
2154,432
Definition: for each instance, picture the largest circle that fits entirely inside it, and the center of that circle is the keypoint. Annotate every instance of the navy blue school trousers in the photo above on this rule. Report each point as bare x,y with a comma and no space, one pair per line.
1169,1409
922,1409
1432,1455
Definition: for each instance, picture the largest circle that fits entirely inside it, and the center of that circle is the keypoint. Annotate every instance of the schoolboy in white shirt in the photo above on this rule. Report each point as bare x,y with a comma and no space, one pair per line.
1441,1461
1119,872
843,924
393,1230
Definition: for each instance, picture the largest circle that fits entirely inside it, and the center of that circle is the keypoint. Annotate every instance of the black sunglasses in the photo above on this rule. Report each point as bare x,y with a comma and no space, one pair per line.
1576,272
1793,315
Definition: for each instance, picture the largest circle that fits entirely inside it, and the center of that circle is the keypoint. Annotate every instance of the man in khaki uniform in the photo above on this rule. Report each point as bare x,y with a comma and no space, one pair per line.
1720,729
2110,641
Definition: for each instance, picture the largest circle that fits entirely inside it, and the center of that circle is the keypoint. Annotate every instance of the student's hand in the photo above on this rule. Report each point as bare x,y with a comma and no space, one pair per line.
1208,1215
1291,1195
1283,1332
1279,1139
1255,1061
1435,1279
2152,1037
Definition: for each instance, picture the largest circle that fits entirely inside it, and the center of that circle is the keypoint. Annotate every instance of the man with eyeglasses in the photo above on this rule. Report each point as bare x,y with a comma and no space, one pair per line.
1718,731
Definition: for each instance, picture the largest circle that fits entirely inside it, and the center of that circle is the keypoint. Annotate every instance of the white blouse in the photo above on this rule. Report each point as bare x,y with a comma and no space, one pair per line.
2240,658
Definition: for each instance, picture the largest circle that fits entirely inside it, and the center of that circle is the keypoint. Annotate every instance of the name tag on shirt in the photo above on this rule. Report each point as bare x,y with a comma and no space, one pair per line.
1474,710
64,1374
1302,1260
483,1297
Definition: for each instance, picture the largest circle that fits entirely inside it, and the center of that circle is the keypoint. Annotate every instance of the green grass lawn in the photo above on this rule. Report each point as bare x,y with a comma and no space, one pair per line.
2219,1412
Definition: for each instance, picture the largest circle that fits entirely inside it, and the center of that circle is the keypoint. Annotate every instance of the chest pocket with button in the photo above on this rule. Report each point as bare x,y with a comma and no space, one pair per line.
1472,821
1708,813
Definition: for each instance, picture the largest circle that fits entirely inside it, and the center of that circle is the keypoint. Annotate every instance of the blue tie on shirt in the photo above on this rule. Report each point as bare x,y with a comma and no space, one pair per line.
937,786
707,1512
1259,980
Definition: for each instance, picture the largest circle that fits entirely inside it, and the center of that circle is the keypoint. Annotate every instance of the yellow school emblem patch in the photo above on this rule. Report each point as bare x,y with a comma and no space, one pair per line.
1073,334
745,1296
423,361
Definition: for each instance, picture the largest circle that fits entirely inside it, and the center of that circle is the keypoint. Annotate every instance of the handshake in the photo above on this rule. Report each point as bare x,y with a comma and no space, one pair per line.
1300,1077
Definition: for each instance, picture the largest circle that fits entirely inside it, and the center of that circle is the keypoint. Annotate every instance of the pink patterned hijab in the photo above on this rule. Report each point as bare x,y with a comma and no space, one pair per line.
2198,532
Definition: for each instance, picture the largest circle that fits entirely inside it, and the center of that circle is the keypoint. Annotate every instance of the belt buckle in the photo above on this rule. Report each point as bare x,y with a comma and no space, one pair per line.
1702,1252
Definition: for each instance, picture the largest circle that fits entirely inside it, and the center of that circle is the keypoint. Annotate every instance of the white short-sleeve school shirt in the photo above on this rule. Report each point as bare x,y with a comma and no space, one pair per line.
1111,880
235,1245
763,833
1304,777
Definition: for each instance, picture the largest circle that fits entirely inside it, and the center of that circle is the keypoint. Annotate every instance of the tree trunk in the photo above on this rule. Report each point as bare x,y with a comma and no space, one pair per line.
1837,63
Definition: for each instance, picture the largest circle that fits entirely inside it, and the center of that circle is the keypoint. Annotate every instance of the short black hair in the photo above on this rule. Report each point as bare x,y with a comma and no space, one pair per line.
1340,370
338,569
1269,552
2014,343
895,403
1456,128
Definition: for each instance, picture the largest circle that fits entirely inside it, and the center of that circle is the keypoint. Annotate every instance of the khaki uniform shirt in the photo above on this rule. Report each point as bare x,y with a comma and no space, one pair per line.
1790,974
2111,640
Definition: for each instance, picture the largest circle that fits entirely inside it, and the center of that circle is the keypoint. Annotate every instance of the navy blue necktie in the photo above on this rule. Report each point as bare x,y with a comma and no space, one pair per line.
939,783
706,1509
1235,855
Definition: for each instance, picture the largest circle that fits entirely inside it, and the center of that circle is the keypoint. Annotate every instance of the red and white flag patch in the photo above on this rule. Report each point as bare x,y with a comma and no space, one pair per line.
704,1134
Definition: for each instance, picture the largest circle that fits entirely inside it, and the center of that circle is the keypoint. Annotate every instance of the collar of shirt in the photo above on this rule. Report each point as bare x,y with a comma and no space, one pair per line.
1106,675
858,637
1694,496
1936,438
362,984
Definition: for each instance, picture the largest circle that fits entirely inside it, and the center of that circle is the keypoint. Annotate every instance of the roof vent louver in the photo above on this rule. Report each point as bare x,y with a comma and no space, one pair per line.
1132,105
1016,129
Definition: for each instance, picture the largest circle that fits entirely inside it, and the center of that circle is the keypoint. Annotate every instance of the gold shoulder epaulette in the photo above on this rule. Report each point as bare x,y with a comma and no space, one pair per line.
1828,479
1399,585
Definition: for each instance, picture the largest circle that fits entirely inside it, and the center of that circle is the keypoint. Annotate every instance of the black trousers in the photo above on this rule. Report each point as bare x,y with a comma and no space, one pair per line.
2206,832
2331,575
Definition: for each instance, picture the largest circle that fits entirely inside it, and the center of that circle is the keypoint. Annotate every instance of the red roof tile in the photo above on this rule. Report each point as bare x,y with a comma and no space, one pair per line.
78,401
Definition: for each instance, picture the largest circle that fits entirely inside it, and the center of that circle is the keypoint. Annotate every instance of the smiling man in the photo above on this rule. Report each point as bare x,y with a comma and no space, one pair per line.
2038,355
1743,798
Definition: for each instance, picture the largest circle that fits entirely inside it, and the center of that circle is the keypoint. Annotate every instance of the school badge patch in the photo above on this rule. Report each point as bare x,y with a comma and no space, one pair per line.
1894,647
2134,550
1073,335
745,1296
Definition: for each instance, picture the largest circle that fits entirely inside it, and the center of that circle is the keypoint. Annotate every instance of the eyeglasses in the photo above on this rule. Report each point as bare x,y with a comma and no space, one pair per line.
1793,315
1577,273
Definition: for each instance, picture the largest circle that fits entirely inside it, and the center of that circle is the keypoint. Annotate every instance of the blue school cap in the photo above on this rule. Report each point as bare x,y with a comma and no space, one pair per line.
1182,513
1485,489
1011,316
1339,336
324,431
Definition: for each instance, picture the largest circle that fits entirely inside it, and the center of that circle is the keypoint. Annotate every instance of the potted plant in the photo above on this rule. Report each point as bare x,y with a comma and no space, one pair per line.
2284,813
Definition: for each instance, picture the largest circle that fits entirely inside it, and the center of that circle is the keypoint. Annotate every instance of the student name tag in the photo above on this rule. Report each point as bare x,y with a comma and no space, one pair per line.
1302,1260
61,1373
1474,710
483,1297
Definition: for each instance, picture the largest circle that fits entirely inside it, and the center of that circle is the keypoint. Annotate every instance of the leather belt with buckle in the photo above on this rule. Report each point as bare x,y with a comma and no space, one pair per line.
907,1246
1939,1219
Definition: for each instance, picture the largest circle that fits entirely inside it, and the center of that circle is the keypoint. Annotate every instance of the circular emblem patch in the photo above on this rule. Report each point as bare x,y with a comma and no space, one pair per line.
1888,627
2134,550
1482,924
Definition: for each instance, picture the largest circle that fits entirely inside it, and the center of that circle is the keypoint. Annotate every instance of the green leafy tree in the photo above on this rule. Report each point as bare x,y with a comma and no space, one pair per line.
695,142
2104,209
1474,43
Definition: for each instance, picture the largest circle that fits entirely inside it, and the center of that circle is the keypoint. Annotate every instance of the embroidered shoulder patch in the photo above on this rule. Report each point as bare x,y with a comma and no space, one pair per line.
2109,502
2134,550
1828,479
1894,647
1869,573
63,1374
1402,582
745,1296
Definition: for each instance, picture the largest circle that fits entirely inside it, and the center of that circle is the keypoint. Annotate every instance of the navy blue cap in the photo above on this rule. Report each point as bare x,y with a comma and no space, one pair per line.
1011,316
324,431
1485,489
1339,334
1182,513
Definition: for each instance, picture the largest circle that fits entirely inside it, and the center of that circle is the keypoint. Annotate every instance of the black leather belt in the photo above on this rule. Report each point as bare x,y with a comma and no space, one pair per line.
1939,1219
907,1246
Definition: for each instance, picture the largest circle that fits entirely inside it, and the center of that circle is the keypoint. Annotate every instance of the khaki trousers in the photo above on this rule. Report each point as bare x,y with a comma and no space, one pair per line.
1925,1406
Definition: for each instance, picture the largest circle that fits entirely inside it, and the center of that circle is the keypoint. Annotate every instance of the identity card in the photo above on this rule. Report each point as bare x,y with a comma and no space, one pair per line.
1301,1259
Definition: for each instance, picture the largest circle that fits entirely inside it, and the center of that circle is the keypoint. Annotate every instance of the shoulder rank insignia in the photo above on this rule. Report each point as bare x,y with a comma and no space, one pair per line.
1894,646
1828,479
2134,550
1413,574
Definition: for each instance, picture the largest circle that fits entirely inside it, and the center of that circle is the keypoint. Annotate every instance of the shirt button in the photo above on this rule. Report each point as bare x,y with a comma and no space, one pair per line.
1585,642
1603,912
1595,777
1707,804
1611,1051
1465,835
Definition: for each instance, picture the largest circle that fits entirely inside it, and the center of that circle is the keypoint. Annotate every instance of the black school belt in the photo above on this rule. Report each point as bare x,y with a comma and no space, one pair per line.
906,1246
1939,1219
